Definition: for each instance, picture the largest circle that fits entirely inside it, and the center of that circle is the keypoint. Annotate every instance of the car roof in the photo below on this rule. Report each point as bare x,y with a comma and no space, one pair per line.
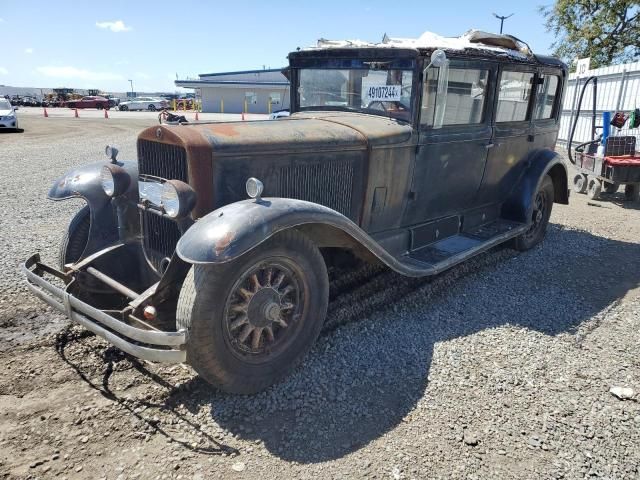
472,44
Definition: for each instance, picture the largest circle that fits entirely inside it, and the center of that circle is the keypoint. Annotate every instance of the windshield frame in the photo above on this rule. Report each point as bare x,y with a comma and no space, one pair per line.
356,59
10,107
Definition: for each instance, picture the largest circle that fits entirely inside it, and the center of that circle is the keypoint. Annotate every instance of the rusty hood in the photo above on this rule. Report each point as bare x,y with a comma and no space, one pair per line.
312,131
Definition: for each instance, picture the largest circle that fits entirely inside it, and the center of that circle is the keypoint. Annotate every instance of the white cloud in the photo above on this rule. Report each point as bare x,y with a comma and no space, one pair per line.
28,50
117,26
4,71
77,73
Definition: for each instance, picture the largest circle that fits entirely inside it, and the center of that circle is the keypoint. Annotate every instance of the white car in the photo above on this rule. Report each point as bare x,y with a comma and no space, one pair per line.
144,103
279,114
8,117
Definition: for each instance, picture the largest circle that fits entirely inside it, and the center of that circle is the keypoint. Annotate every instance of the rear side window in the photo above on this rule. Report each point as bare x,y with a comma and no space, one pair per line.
513,96
546,97
465,99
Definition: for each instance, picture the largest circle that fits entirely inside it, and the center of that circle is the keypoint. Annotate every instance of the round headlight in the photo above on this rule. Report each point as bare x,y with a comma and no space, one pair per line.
178,198
254,187
115,180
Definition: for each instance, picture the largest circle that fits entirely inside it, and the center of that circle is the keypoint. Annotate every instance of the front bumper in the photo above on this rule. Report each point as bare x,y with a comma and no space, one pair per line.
147,344
8,122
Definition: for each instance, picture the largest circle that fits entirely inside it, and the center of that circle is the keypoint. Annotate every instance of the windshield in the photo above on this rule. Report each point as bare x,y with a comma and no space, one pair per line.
376,89
5,105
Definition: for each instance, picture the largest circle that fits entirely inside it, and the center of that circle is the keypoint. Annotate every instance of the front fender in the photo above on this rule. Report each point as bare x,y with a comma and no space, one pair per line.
234,229
84,182
519,204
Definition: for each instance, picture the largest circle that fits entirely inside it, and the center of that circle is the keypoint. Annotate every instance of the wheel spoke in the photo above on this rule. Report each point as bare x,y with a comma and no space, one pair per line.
280,321
276,283
246,331
245,293
238,322
238,308
255,340
286,306
255,282
287,290
269,332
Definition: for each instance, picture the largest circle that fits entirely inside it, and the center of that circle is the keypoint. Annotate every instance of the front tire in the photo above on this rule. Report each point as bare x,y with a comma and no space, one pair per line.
152,108
75,238
542,206
251,321
123,108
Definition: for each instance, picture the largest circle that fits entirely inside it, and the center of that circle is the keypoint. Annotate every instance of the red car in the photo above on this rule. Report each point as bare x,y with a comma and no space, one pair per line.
89,102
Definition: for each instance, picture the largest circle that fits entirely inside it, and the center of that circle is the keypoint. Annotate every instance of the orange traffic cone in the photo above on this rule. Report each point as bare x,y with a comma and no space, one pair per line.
76,114
197,118
106,115
46,115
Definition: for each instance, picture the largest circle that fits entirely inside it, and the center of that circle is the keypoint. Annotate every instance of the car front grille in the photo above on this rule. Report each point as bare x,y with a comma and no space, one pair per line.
328,183
160,234
162,160
160,237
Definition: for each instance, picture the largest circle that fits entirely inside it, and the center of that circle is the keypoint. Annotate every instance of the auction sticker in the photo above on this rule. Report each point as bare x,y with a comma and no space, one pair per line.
383,93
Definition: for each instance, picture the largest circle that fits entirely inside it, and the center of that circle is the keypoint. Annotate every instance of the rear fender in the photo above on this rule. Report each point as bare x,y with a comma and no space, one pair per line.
230,231
519,204
84,182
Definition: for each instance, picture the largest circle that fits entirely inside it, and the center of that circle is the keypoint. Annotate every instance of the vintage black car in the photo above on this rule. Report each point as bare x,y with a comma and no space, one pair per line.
416,154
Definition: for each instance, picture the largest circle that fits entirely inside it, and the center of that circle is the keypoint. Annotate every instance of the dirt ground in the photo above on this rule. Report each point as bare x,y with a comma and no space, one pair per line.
498,368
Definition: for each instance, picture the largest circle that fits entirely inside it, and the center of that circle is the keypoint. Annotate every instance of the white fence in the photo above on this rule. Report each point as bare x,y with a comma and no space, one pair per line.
618,90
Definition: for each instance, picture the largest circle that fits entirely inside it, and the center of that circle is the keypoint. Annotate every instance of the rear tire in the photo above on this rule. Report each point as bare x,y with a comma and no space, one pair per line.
75,238
632,192
580,183
595,188
252,320
542,206
152,108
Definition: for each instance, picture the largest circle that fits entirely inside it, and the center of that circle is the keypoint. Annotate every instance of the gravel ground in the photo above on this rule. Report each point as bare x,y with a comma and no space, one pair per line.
498,368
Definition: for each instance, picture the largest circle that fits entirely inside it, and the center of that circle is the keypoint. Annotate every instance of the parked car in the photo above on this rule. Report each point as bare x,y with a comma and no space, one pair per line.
8,116
144,103
416,155
89,102
279,114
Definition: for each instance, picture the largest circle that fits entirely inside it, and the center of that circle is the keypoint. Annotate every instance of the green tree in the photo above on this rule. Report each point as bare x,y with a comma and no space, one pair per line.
608,31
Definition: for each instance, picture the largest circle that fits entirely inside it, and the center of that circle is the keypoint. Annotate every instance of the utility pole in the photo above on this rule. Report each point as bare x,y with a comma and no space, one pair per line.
131,82
502,19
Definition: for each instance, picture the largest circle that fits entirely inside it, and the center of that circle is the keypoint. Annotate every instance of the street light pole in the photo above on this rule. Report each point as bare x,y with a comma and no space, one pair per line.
502,19
131,82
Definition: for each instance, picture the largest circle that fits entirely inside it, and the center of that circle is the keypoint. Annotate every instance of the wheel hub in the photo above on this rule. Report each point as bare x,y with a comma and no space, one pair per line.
264,308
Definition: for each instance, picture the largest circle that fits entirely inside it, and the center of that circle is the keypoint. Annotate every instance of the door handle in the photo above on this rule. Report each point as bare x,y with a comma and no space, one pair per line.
489,145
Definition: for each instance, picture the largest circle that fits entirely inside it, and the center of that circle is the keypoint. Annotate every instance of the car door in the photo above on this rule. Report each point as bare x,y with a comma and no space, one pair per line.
513,134
454,134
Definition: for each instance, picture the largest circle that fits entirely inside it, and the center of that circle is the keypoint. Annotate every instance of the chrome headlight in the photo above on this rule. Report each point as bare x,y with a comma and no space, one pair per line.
254,188
114,179
178,198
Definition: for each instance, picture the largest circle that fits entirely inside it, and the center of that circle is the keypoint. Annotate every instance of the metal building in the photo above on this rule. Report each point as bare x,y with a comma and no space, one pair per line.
249,91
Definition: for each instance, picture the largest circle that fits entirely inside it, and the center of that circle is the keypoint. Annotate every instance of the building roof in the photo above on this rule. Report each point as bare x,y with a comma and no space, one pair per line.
227,83
240,72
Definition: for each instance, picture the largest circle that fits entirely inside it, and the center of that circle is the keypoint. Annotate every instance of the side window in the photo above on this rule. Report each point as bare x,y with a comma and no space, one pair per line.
513,96
465,100
546,97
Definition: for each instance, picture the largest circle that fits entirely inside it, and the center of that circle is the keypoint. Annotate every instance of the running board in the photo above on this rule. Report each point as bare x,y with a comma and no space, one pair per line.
439,256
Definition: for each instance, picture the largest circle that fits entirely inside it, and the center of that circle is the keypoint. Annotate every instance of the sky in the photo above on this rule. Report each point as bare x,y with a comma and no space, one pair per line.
104,44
